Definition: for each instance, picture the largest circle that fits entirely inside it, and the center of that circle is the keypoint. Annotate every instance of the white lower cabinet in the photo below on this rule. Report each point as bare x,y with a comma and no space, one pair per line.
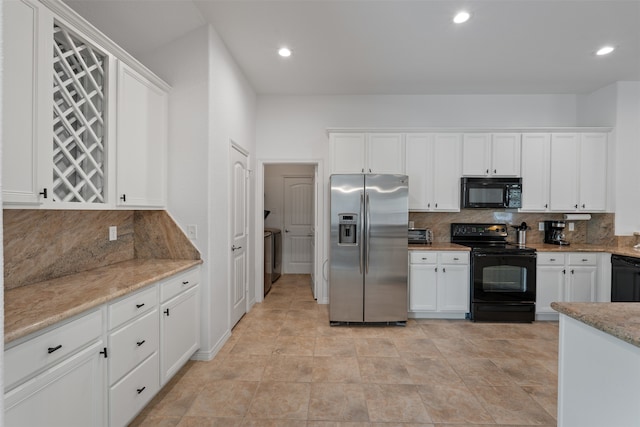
179,329
438,284
564,277
101,368
62,376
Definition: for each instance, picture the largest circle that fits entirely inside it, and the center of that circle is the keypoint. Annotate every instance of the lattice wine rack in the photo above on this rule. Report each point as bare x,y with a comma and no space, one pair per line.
78,119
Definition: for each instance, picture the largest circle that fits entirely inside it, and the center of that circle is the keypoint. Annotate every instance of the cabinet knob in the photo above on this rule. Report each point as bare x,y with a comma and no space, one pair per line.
123,197
43,193
166,312
546,205
436,205
139,343
139,305
576,206
583,206
436,270
487,172
444,270
428,205
495,171
572,271
564,271
140,390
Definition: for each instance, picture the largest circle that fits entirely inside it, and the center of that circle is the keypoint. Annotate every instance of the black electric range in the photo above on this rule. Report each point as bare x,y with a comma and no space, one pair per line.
503,274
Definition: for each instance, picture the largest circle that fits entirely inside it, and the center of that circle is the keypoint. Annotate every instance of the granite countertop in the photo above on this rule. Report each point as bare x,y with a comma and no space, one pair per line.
585,247
620,319
33,307
439,247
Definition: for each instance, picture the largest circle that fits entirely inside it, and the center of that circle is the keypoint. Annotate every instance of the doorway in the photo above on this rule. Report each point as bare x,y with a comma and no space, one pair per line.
290,191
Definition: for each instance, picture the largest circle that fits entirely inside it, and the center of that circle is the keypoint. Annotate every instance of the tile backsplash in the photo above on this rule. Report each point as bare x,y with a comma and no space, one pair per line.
598,230
44,244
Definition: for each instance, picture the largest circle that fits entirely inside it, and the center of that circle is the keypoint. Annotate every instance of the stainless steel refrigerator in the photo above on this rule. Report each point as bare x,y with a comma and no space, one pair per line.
368,254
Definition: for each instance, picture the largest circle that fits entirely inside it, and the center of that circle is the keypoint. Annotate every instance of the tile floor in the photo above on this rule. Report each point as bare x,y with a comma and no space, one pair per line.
285,366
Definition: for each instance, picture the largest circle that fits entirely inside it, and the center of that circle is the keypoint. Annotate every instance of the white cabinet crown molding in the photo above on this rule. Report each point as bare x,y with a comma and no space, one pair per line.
468,129
64,12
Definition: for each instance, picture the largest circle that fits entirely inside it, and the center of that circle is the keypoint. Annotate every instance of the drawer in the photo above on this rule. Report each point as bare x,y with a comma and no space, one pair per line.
454,258
423,257
179,283
550,258
132,344
132,306
133,392
24,360
583,259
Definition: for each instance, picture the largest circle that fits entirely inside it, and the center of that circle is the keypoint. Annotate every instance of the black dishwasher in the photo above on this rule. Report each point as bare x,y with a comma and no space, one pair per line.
625,279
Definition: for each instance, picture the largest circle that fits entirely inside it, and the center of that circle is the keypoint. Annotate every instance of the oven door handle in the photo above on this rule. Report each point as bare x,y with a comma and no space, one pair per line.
533,255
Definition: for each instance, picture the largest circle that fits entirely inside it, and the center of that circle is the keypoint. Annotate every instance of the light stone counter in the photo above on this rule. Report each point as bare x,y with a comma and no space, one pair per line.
585,247
33,307
620,319
439,247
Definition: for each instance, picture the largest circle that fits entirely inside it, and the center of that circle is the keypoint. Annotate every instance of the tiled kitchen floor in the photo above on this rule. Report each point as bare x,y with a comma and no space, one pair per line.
285,366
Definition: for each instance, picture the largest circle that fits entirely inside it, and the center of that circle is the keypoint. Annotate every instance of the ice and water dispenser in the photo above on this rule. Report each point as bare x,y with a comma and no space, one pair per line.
347,223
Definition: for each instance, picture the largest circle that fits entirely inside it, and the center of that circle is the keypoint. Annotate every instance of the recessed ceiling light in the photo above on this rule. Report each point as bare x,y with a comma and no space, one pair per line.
285,52
605,50
461,17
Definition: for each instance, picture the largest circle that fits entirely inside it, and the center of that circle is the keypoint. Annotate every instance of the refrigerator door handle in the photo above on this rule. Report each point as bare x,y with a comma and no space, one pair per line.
368,215
361,232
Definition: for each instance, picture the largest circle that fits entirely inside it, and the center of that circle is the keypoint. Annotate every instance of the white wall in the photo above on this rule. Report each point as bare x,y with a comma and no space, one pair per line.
211,103
618,105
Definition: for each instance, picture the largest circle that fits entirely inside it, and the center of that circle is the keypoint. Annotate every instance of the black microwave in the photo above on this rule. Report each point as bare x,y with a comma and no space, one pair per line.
495,193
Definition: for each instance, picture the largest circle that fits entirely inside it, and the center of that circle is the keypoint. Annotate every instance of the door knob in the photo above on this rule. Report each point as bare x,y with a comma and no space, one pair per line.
286,231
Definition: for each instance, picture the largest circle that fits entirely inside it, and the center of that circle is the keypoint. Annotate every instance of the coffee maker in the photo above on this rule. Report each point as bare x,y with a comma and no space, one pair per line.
554,233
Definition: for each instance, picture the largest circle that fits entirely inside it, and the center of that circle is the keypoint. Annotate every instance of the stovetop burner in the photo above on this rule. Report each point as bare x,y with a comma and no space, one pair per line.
486,238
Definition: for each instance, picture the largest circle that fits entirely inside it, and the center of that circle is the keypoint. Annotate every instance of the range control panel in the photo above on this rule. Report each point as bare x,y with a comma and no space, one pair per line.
478,230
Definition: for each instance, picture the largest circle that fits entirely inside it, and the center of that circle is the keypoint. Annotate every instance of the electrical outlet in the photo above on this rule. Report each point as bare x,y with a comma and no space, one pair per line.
113,233
541,226
572,226
192,231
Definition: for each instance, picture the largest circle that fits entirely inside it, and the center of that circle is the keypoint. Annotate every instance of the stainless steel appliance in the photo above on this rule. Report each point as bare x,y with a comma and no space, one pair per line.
268,260
276,251
554,233
503,275
368,252
420,236
495,193
625,279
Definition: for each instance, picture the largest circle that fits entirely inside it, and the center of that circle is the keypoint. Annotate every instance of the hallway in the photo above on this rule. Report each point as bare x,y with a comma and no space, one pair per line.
285,366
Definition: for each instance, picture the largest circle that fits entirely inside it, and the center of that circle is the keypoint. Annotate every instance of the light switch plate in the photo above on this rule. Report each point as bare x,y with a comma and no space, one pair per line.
113,233
572,226
192,231
541,226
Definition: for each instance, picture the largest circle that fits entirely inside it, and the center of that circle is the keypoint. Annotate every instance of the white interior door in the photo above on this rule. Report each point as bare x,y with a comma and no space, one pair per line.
239,228
298,225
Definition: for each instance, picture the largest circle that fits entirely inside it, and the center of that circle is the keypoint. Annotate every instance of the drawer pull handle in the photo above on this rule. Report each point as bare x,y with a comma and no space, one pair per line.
166,312
140,390
52,349
139,305
584,260
139,343
456,259
424,259
186,282
552,259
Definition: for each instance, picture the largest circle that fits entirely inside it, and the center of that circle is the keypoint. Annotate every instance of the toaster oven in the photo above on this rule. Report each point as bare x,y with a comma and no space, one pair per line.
420,236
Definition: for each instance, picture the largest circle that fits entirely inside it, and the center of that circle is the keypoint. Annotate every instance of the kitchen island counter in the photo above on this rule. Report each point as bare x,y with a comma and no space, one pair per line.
585,247
33,307
439,247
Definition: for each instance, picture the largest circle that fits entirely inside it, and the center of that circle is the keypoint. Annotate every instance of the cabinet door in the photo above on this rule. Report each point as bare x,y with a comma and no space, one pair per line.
505,154
564,172
593,172
446,172
453,288
535,171
179,332
24,97
549,287
347,152
423,294
385,153
419,158
142,140
476,149
71,393
581,286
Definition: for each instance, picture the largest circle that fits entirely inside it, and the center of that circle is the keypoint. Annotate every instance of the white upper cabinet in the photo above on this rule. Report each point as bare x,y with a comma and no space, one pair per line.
485,154
578,172
536,149
25,97
433,167
593,172
142,109
367,153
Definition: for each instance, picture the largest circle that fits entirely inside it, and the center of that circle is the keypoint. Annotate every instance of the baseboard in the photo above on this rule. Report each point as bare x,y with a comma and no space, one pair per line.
206,355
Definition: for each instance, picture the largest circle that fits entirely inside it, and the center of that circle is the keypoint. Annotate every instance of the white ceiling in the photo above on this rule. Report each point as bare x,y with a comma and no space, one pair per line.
396,46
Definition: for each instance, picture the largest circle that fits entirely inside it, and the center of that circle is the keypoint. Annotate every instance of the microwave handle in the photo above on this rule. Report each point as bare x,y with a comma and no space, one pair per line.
507,197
